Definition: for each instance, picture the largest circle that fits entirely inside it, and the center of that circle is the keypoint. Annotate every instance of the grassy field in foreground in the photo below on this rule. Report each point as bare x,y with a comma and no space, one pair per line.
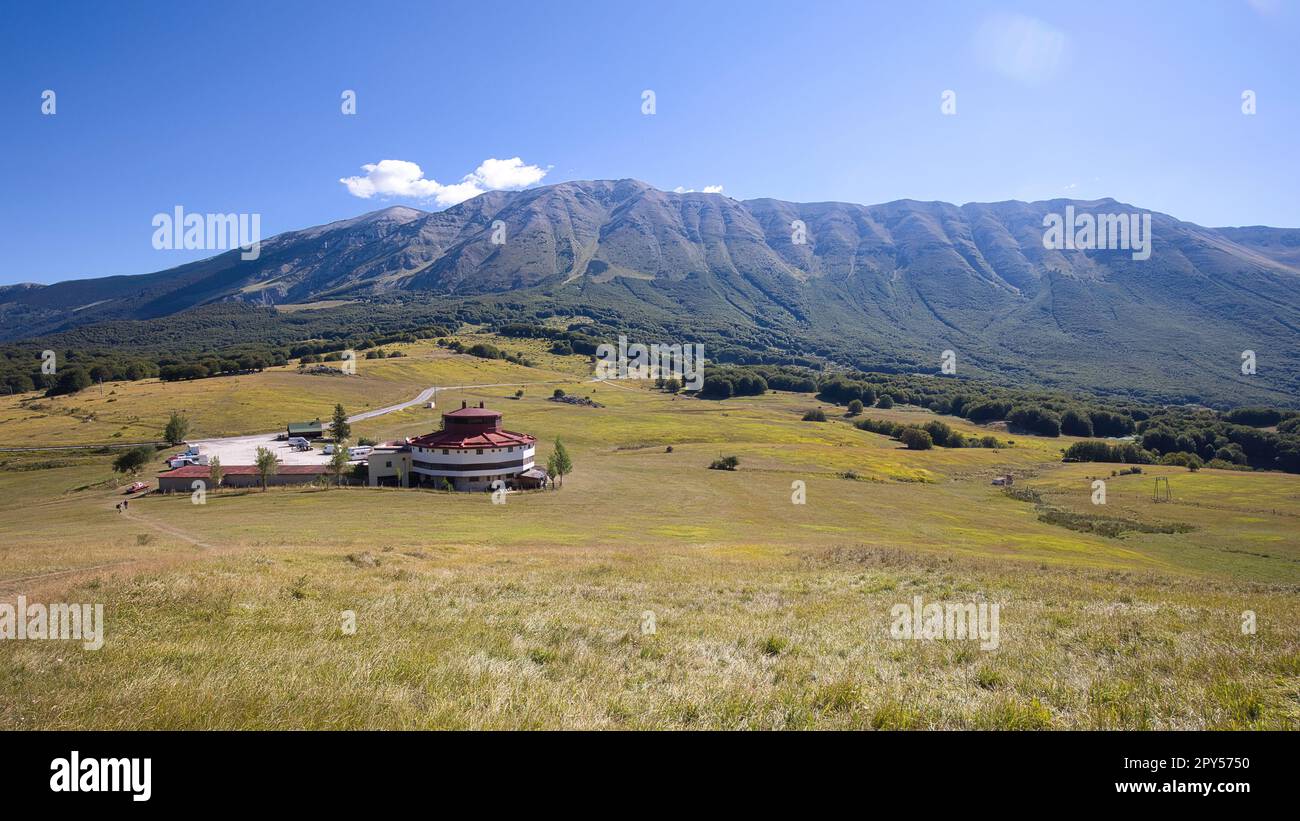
768,614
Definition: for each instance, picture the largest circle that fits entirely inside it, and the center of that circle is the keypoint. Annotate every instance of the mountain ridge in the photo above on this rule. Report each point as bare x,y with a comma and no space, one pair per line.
909,278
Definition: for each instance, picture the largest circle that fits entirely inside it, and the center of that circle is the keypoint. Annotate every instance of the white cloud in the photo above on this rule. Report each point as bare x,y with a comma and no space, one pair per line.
1022,48
397,178
511,173
402,178
708,189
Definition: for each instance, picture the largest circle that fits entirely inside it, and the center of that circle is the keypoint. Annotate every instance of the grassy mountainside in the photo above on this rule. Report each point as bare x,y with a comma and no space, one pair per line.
884,286
768,613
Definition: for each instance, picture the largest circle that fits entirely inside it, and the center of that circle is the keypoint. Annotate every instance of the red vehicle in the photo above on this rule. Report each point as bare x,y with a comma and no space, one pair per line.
136,487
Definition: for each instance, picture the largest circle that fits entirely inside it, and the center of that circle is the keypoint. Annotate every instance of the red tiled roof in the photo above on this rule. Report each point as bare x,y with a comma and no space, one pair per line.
202,471
461,413
472,439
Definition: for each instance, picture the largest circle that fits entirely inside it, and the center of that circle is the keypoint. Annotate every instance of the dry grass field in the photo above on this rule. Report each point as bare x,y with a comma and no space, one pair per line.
767,613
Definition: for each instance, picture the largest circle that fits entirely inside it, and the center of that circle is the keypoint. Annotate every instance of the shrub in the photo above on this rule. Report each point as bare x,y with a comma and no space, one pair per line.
885,401
916,439
1105,423
1181,459
1254,417
716,387
815,415
177,429
881,426
132,460
942,435
1076,423
724,463
989,679
855,407
1036,420
71,380
1128,453
988,411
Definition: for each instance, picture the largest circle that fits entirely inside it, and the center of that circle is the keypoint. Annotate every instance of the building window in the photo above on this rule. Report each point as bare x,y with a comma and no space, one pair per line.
444,451
479,452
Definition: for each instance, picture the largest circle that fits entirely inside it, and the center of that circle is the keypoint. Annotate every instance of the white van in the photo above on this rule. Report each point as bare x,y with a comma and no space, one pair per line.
359,452
299,443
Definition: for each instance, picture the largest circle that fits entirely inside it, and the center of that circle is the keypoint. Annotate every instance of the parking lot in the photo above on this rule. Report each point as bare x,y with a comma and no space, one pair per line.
242,450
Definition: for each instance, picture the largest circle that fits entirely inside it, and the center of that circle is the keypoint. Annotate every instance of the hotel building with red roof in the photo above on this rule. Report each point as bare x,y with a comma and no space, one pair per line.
471,451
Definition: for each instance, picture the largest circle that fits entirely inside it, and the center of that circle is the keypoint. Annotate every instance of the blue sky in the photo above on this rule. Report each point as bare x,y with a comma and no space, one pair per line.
235,107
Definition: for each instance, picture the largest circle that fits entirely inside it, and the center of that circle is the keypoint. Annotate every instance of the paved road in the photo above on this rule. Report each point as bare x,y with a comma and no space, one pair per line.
242,450
428,393
424,396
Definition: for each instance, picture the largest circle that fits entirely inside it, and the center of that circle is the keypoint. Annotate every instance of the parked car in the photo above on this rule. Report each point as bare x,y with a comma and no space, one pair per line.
329,450
299,443
136,487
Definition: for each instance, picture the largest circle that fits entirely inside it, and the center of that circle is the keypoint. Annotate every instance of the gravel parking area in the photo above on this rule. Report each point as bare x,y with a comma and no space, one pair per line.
242,450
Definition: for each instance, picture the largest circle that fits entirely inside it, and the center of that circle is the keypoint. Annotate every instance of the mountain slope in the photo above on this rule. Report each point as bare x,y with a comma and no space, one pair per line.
889,285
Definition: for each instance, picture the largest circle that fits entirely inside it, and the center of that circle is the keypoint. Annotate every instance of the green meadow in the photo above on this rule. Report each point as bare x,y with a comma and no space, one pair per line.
771,587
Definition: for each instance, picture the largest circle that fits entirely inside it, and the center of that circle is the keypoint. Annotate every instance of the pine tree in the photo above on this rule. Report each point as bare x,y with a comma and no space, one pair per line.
562,463
341,429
